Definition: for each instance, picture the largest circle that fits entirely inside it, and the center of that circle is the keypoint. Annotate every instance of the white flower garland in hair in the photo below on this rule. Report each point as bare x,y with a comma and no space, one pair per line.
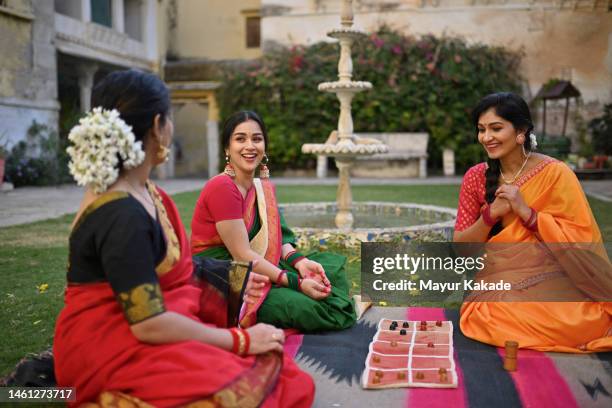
100,138
533,140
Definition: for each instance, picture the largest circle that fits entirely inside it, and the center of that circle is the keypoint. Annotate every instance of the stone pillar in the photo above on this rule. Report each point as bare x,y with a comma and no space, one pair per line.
422,167
118,10
321,166
86,11
212,136
344,200
86,73
149,28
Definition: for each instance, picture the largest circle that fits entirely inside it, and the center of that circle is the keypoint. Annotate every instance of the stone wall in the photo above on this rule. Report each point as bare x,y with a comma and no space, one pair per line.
28,81
211,29
569,40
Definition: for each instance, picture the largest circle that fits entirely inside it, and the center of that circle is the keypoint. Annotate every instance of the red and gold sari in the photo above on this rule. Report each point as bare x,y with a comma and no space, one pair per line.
96,352
564,260
220,200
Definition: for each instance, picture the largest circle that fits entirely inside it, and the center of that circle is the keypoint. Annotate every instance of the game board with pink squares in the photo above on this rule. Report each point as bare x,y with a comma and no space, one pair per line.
411,354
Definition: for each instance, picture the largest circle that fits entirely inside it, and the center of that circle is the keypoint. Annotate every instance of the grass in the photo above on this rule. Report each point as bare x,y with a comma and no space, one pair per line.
35,254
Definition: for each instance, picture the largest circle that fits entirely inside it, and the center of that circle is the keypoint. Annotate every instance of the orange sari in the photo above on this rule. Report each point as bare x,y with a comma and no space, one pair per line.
544,264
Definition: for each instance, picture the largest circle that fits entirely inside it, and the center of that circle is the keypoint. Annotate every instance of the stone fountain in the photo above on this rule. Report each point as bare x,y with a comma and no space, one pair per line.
376,221
343,144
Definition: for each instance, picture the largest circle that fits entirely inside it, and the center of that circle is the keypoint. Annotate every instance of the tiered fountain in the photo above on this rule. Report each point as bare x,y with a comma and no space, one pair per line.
345,146
376,221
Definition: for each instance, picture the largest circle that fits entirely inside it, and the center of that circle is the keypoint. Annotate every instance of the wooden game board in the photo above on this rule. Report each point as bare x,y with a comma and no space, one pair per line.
421,357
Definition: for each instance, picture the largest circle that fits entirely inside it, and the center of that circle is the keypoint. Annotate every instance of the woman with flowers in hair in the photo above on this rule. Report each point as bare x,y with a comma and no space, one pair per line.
134,329
237,217
541,238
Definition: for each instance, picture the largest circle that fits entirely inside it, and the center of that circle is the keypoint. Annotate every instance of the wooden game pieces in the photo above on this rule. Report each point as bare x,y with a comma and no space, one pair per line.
443,375
511,354
411,354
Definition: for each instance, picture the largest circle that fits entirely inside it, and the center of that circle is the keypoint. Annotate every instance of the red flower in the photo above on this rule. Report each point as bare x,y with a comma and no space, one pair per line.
297,62
378,42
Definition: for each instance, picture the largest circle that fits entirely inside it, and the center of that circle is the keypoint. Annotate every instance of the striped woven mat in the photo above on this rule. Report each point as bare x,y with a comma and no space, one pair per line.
336,361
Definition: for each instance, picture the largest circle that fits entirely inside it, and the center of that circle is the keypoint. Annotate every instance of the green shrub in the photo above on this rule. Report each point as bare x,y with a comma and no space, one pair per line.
420,84
39,160
601,128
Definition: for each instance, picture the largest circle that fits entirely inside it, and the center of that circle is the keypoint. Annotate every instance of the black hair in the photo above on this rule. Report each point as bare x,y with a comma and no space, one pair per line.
514,109
137,95
237,118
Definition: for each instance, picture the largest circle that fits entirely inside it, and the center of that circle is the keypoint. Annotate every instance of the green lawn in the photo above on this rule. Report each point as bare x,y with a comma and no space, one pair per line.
35,254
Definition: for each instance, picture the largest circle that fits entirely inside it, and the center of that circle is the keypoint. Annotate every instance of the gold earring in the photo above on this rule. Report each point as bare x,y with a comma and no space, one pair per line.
163,153
264,171
229,170
520,139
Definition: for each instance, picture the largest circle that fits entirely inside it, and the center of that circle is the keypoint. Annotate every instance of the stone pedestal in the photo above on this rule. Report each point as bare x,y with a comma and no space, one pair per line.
321,167
448,161
344,197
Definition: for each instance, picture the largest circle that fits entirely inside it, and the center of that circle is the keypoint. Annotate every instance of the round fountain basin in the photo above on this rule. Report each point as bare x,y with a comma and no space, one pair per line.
313,223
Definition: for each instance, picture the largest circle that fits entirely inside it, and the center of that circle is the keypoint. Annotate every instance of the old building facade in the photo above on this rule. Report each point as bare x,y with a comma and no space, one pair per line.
56,50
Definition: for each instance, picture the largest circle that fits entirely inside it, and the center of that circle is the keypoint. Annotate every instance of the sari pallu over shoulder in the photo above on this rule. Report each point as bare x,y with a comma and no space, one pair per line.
281,306
96,352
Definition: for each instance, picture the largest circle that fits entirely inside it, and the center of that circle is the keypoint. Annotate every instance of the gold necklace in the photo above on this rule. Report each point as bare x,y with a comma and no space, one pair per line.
517,173
146,197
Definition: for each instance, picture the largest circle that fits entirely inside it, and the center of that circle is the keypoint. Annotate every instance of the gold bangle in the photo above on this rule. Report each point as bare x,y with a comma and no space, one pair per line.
241,342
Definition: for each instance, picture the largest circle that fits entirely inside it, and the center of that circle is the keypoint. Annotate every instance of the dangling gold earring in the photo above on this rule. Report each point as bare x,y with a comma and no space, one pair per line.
522,137
264,171
229,170
163,153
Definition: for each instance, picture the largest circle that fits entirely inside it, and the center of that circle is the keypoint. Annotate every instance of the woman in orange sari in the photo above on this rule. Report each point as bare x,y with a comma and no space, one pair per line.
558,268
133,330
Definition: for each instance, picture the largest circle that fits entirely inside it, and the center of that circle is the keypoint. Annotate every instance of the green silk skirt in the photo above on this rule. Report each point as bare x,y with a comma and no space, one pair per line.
286,308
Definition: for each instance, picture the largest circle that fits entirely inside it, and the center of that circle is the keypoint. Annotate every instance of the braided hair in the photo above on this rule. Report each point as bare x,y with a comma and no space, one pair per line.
514,109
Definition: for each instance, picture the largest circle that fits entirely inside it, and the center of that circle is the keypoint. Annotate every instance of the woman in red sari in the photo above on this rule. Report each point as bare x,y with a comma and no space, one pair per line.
541,238
237,217
132,328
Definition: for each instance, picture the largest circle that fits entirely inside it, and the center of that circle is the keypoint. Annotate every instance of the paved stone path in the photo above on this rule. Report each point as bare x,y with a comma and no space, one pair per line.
29,204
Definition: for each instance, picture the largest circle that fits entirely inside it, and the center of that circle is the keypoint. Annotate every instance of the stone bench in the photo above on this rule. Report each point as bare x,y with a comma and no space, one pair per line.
407,157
